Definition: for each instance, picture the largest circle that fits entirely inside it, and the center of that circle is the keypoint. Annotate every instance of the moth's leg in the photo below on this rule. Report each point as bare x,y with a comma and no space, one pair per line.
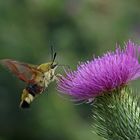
57,77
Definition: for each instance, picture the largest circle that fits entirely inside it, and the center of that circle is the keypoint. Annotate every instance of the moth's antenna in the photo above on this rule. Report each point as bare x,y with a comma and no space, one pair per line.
54,56
52,51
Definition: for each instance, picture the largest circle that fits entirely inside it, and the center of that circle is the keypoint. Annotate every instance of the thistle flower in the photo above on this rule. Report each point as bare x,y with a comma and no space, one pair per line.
116,110
103,74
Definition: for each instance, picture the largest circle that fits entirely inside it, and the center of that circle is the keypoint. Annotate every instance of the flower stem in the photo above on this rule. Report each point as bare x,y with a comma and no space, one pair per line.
117,115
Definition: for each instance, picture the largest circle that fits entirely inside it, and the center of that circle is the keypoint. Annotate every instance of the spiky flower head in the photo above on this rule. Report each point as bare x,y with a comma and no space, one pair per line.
103,74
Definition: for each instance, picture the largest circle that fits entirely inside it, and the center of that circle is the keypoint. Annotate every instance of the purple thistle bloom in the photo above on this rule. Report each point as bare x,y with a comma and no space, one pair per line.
103,74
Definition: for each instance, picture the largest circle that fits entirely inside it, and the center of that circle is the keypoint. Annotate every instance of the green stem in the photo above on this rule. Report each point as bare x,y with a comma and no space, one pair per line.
117,115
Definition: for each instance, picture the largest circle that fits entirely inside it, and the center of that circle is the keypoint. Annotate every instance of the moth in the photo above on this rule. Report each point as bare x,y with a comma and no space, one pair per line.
37,77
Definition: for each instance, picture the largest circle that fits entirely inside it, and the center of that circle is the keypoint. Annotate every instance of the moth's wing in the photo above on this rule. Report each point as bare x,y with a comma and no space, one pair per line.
23,71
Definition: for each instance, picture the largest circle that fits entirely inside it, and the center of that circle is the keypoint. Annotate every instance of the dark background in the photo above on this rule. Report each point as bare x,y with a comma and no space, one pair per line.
78,29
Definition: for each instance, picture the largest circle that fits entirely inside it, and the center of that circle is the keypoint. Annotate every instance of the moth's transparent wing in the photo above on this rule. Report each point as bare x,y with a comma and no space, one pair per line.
23,71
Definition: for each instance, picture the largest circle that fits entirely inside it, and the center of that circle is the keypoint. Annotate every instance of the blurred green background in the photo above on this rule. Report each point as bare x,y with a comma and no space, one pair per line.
78,29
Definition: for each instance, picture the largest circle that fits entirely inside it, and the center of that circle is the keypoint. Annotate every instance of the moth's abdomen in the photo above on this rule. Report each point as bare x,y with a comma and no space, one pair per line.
29,94
24,104
34,89
26,99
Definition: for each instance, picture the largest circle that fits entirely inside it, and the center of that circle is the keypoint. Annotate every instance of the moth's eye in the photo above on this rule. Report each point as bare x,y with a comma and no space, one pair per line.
53,66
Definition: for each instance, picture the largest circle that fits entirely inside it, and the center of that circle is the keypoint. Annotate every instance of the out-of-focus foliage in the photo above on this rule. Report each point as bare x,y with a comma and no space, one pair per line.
78,29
